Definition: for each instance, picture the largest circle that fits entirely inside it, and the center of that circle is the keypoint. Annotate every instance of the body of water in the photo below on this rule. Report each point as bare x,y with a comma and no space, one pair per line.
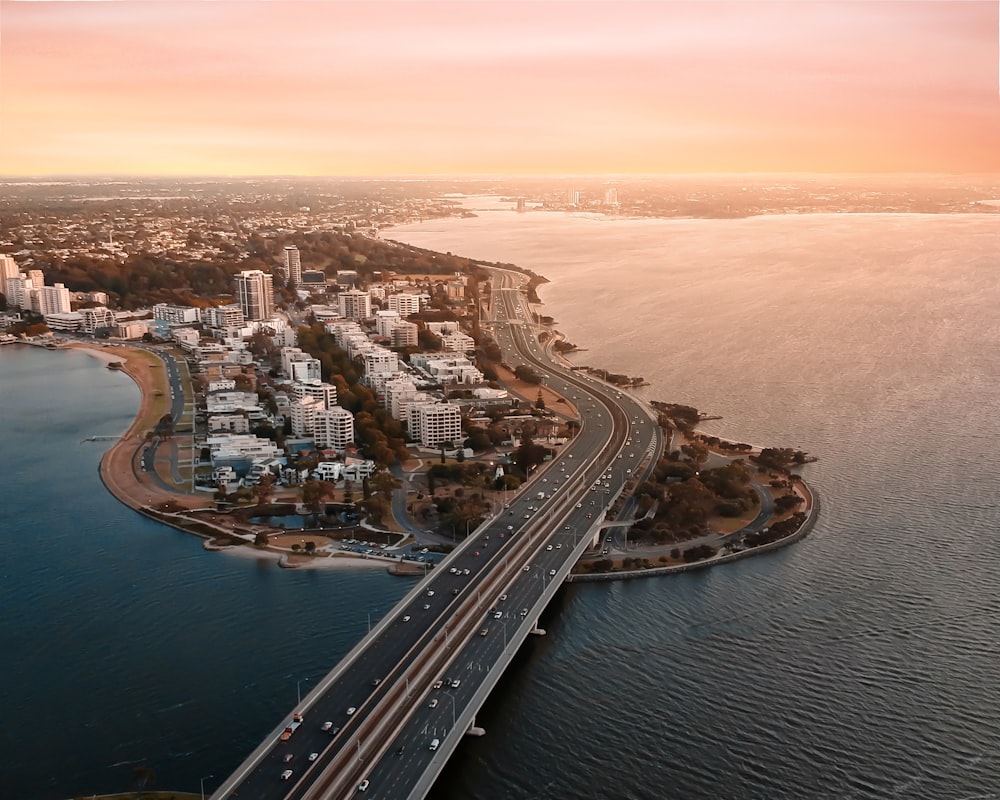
860,663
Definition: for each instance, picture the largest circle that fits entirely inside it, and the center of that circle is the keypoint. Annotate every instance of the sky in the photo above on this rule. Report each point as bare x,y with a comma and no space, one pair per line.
521,87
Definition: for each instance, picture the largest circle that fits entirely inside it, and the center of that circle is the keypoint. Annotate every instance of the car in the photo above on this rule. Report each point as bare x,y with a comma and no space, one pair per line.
605,551
406,618
510,527
552,573
567,527
430,592
548,547
590,516
433,703
363,786
456,683
559,546
527,568
438,684
476,554
313,756
424,551
484,631
497,614
455,592
351,710
453,571
524,612
579,505
326,726
434,744
527,516
286,775
376,682
607,538
503,597
465,571
427,606
287,757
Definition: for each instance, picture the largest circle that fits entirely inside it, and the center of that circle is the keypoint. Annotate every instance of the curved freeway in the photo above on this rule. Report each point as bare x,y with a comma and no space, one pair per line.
422,673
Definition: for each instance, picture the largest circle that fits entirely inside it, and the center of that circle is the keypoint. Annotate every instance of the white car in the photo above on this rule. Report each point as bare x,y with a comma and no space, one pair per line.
313,756
286,775
326,726
363,786
552,573
351,710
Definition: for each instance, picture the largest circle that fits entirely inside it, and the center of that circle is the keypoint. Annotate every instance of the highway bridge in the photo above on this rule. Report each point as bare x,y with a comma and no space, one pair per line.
386,719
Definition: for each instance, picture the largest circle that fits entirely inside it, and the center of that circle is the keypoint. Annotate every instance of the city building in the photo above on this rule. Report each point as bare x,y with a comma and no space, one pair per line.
293,265
404,334
404,304
255,294
333,428
355,304
176,315
431,424
8,269
324,393
230,316
54,299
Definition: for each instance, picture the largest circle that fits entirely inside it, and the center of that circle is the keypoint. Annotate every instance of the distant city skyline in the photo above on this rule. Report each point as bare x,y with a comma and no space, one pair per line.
519,88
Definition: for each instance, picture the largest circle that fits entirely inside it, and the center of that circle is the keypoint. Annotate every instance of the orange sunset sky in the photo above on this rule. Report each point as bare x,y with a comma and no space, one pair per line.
367,88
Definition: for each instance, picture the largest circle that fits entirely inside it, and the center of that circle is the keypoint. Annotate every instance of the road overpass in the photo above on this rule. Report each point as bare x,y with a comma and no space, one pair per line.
425,669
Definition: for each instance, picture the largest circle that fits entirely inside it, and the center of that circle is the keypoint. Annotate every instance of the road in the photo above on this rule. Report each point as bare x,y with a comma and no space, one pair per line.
497,581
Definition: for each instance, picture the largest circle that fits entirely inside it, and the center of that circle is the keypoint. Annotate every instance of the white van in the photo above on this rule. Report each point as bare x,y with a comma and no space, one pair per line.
434,744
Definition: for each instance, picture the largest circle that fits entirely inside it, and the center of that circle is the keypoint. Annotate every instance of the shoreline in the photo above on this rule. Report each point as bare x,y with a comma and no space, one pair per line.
142,494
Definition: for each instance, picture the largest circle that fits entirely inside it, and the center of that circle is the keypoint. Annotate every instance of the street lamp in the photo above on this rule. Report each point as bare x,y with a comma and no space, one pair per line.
203,785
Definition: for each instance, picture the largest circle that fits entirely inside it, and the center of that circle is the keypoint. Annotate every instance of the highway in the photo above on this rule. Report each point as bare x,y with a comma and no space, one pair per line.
459,627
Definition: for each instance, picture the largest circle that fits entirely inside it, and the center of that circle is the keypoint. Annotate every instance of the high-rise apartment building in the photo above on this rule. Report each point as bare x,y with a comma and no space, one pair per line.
355,304
293,265
255,294
404,304
54,299
8,269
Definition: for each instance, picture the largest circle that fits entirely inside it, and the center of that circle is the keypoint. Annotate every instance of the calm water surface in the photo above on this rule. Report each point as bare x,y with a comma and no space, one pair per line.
861,663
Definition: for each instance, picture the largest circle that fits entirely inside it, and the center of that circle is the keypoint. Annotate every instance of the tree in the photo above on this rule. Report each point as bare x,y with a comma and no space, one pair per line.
310,546
696,452
314,493
261,539
540,402
264,490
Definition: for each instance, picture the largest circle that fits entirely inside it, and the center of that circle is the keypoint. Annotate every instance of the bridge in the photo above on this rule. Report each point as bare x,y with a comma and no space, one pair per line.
386,719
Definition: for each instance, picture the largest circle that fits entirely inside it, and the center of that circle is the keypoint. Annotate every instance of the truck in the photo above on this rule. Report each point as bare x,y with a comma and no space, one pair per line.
291,727
541,495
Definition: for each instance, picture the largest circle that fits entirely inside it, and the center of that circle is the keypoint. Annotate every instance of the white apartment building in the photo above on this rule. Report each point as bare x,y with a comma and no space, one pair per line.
187,338
299,366
65,323
434,423
8,269
404,334
452,369
404,304
384,320
16,290
228,423
457,342
230,316
333,428
355,304
304,414
55,299
222,385
325,393
229,402
175,315
341,330
379,361
237,446
443,328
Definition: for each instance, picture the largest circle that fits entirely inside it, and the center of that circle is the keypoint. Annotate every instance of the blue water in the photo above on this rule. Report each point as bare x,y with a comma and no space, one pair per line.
862,663
124,642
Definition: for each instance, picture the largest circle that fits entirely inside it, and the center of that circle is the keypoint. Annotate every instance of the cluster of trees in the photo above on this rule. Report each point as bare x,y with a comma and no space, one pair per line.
379,436
684,506
684,418
779,530
780,458
527,374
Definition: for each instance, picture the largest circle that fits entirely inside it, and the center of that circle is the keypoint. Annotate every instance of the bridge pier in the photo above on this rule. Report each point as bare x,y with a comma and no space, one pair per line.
473,730
536,630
